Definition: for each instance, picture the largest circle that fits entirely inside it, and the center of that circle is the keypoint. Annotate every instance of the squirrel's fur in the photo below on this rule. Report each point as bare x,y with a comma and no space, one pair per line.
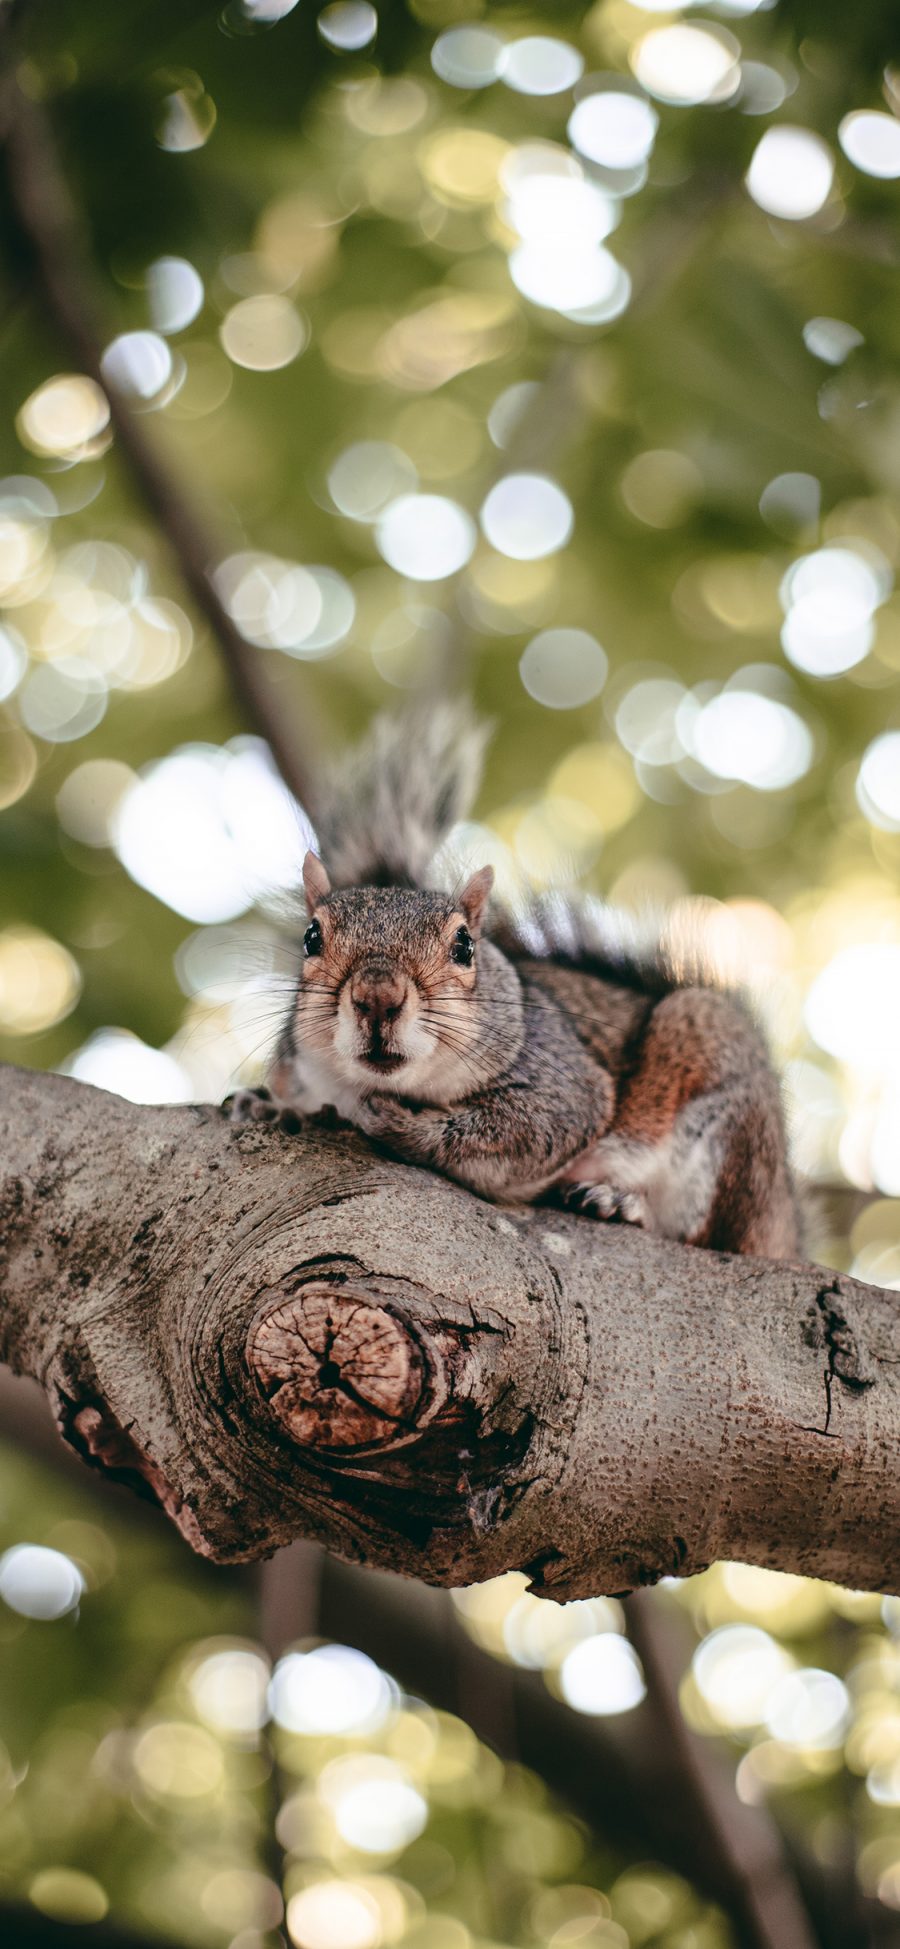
539,1055
396,796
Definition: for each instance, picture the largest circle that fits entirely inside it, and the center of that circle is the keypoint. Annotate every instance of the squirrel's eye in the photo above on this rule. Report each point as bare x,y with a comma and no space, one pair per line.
312,939
463,949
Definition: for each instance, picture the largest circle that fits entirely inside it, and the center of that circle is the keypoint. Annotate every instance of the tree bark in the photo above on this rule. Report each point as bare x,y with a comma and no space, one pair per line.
294,1336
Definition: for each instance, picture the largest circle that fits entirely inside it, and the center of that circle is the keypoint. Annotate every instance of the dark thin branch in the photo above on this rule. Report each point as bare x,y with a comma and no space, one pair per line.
288,1589
24,1927
51,231
742,1841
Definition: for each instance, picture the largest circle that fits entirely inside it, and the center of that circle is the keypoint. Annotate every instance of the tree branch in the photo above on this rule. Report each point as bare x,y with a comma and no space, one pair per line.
743,1842
51,232
292,1336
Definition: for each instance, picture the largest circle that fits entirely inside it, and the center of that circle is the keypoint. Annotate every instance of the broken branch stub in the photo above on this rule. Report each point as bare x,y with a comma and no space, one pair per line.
392,1373
293,1336
340,1373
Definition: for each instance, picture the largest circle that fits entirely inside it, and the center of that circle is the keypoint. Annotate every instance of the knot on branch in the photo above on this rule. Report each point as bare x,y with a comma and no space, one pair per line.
339,1372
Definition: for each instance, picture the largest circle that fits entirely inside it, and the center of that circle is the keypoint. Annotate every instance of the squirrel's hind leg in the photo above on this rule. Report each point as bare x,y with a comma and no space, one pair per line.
597,1197
697,1149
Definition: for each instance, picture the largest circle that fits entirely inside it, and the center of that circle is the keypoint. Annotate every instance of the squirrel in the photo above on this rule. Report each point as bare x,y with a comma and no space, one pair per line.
529,1058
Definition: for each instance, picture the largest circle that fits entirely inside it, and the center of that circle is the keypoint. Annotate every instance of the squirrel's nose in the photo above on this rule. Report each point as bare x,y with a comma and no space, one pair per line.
378,994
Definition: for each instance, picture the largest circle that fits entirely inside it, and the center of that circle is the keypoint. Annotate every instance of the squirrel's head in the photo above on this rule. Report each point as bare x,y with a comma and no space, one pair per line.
388,980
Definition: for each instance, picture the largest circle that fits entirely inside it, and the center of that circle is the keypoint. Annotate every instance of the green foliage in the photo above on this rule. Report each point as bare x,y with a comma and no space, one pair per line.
709,440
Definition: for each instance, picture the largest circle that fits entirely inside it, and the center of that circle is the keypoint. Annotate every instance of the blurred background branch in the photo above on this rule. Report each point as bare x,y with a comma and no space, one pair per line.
41,204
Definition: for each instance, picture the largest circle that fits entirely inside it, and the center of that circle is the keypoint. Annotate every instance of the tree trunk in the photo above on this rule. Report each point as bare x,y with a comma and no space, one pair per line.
294,1336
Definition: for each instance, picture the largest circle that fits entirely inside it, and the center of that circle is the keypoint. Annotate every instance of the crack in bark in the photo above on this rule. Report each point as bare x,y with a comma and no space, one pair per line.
828,1327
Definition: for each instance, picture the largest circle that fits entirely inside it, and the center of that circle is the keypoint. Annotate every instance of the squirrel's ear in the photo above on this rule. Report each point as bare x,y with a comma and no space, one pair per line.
474,897
316,883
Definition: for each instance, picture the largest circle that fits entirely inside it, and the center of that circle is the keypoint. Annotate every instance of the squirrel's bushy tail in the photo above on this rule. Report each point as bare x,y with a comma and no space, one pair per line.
397,794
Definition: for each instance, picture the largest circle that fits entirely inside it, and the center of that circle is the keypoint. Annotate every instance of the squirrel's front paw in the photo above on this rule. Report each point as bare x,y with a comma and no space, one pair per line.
250,1106
381,1114
260,1106
410,1127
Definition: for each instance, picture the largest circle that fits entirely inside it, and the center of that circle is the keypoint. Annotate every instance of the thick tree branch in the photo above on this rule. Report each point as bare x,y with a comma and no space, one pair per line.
291,1336
51,232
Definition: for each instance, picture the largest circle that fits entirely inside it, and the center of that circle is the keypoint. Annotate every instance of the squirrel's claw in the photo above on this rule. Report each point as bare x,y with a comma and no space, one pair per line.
251,1106
610,1203
260,1106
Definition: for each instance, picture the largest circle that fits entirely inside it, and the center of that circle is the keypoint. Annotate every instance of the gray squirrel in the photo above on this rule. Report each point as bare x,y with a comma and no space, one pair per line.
528,1058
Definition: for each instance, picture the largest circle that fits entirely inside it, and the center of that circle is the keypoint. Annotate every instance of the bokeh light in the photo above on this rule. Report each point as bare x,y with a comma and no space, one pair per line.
303,610
683,64
830,598
88,799
116,1060
39,1583
332,1689
660,487
791,173
138,364
550,209
527,516
67,416
175,1760
376,1807
563,668
348,25
810,1709
878,784
229,1690
334,1915
871,141
40,981
737,1669
614,128
425,536
68,1895
866,1036
742,734
187,116
538,64
468,57
264,333
602,1675
175,293
366,476
13,661
831,339
247,837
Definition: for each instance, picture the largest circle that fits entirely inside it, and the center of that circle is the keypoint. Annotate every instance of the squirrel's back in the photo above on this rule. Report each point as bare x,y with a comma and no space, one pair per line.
586,935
